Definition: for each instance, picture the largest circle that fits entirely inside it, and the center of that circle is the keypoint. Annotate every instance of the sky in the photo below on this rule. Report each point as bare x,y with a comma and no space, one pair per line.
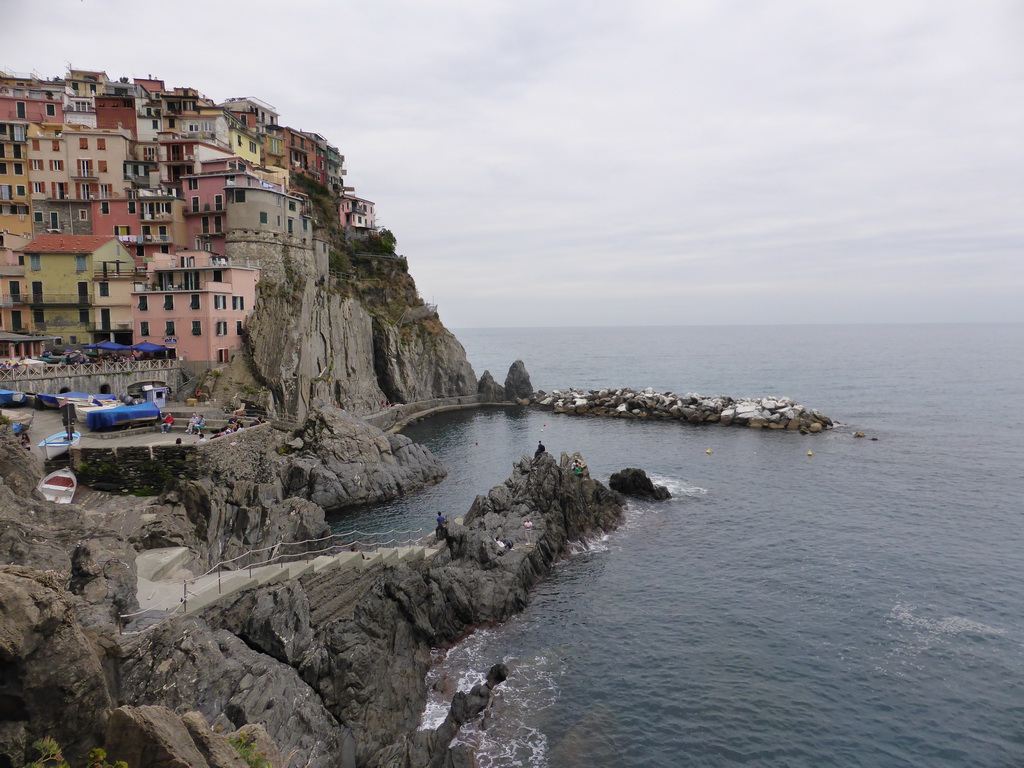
658,162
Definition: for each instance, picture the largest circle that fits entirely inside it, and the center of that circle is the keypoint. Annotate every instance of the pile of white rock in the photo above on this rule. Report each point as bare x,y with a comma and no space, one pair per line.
759,413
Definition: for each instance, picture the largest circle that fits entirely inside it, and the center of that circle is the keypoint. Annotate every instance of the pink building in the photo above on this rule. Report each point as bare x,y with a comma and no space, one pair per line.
195,302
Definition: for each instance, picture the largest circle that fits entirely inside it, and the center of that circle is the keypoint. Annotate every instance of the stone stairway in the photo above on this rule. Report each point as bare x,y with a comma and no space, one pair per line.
165,586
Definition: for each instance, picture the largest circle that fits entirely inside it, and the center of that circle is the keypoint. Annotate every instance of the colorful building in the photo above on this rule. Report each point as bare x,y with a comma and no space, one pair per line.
14,316
197,303
69,287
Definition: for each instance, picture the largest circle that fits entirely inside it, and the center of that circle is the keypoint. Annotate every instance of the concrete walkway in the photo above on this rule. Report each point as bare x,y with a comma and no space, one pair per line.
166,586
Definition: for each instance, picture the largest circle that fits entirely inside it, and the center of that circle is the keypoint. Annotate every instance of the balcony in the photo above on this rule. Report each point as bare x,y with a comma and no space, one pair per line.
10,299
206,208
156,216
84,174
60,298
128,273
156,238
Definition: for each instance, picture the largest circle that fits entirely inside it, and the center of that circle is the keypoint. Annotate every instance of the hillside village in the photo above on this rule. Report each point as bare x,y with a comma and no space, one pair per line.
132,212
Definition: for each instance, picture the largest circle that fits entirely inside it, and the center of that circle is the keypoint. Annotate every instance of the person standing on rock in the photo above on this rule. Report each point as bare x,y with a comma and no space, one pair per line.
442,526
528,527
540,449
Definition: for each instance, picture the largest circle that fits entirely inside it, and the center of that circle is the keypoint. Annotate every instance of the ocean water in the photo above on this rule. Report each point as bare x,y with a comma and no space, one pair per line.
858,607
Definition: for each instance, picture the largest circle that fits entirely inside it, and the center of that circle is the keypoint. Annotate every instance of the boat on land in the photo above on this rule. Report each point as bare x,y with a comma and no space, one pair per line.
59,443
12,397
59,486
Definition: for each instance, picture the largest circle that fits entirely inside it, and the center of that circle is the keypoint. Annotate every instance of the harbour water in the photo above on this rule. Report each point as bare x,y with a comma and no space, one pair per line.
857,607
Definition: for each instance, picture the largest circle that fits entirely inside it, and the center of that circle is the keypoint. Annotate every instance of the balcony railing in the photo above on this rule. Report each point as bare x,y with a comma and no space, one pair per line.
128,273
59,298
156,238
10,299
35,372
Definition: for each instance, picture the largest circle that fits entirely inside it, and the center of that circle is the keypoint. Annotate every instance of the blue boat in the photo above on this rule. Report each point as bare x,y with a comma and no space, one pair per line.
10,397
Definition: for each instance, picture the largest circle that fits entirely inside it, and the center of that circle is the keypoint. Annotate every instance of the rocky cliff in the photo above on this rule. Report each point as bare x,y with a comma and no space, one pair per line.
354,336
333,665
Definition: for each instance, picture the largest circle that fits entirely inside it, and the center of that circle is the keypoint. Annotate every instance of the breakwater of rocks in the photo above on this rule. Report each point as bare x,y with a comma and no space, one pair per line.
754,412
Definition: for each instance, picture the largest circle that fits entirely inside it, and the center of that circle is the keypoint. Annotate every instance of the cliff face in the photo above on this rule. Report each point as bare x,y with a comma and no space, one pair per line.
353,339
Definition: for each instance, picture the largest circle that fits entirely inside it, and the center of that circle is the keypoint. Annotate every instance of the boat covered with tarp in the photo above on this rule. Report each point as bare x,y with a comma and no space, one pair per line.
122,416
11,397
53,401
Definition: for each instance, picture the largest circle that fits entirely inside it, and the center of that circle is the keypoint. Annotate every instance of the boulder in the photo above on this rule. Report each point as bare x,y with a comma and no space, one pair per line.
635,482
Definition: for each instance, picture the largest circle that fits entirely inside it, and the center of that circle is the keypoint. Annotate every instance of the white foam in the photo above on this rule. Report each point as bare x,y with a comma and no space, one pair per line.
678,487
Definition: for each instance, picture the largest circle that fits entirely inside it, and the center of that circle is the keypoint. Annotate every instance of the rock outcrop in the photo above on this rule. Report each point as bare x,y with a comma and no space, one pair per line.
340,461
764,412
53,680
635,482
18,471
517,382
491,390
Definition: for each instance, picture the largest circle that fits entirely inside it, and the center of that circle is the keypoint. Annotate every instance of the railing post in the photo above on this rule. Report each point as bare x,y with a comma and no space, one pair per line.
184,596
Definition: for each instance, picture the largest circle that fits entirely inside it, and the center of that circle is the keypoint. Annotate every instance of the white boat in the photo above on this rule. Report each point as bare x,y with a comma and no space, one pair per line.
59,443
59,486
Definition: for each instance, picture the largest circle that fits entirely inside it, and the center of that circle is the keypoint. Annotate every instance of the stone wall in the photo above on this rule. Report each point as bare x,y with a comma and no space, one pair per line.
271,250
397,416
92,380
140,470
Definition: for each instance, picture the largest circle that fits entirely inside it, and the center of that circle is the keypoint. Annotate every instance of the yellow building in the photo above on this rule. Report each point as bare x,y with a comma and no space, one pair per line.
79,287
14,177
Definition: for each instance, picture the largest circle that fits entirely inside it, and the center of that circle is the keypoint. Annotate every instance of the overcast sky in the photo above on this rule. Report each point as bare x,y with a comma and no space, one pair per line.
646,163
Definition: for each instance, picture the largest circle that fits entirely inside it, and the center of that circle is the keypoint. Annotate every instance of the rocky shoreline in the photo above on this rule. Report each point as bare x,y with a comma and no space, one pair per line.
692,408
325,670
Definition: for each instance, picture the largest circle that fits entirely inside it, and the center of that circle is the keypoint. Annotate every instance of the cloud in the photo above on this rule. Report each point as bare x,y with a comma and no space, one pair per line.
652,163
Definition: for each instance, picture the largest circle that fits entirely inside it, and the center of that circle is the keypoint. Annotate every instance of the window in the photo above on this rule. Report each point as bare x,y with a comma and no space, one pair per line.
56,165
83,214
239,195
144,328
238,327
38,188
156,125
263,217
122,231
239,140
222,328
252,146
54,223
197,327
19,191
143,303
51,110
83,316
33,262
194,304
238,302
169,301
101,144
101,165
131,206
83,143
19,169
38,316
105,207
195,203
169,328
55,146
193,183
291,205
219,302
16,320
37,165
218,202
218,276
37,217
104,289
79,262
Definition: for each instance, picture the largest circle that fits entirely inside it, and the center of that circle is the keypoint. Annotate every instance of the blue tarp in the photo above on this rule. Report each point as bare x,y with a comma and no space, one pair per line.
146,346
110,346
121,416
9,397
53,401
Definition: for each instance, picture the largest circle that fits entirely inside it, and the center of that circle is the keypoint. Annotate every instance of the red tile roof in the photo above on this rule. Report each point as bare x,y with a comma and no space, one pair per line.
67,243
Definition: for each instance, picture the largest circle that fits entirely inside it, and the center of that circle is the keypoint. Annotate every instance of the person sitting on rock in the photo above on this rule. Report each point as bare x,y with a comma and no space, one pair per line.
192,422
499,543
540,449
168,423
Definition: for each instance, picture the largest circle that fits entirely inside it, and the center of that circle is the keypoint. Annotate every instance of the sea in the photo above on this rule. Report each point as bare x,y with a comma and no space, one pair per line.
801,600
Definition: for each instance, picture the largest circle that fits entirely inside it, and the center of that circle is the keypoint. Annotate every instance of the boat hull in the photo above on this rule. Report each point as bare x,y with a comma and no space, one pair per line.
58,444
